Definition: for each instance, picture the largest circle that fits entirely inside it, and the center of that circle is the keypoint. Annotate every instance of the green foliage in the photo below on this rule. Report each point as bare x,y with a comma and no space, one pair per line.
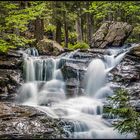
129,118
70,46
50,27
79,45
14,17
17,40
72,37
4,46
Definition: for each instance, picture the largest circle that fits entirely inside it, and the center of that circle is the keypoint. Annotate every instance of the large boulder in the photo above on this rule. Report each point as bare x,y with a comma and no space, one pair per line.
111,34
49,47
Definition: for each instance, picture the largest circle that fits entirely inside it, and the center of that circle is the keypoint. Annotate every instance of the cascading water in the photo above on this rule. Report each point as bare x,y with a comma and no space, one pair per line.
32,51
95,76
44,77
45,86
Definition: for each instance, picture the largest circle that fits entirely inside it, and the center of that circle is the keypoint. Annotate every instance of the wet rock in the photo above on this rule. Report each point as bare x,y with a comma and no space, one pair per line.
137,106
49,47
14,53
126,75
134,90
17,121
74,73
11,74
10,80
10,63
71,70
136,50
111,34
126,72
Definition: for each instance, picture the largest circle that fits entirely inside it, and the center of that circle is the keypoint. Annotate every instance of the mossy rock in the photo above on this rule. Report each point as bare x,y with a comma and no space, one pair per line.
49,47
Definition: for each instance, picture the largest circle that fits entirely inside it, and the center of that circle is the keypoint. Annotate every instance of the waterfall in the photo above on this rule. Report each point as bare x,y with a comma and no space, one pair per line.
97,72
29,69
45,90
44,77
32,52
95,76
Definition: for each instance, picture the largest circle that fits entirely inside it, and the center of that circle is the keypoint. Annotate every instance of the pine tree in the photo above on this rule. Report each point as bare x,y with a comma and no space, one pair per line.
14,21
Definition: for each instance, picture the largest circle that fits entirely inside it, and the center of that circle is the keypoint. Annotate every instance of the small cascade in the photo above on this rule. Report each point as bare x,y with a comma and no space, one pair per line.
71,54
37,69
45,90
113,60
29,70
32,52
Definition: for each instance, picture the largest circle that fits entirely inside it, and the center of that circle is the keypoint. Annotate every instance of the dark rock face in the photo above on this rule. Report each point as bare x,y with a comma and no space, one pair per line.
10,74
9,82
111,34
18,121
49,47
127,76
7,62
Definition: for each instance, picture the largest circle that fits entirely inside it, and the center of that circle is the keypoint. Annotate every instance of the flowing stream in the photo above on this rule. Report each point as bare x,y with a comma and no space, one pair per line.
45,89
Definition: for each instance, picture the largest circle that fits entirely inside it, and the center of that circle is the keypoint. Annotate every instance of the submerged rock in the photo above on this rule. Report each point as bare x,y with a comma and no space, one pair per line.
111,34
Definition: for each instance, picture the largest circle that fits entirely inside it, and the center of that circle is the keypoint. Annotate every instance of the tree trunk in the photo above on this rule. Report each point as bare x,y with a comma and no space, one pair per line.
23,4
66,31
78,29
58,32
89,28
39,29
83,29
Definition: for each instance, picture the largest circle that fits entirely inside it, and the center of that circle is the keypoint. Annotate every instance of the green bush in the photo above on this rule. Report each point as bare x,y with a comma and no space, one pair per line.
79,45
72,37
70,46
129,118
50,27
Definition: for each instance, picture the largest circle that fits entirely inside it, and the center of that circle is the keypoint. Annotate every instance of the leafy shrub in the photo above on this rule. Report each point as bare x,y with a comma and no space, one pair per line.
70,46
4,46
79,45
49,28
72,37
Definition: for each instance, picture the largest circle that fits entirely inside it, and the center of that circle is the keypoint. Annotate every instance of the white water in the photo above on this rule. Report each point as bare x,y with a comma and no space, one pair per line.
85,112
96,75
